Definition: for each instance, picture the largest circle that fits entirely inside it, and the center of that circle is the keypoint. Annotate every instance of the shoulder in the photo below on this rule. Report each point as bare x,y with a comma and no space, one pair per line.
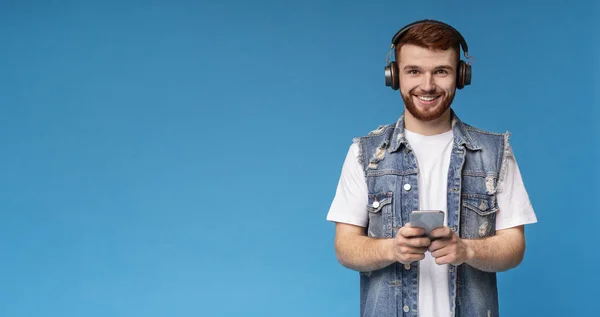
375,138
483,138
365,145
381,130
479,132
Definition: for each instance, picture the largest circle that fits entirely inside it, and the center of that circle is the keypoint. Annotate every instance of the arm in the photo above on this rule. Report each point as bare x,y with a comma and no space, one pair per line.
359,252
501,252
497,253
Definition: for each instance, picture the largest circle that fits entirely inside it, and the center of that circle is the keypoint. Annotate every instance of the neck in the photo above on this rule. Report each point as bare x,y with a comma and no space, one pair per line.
433,127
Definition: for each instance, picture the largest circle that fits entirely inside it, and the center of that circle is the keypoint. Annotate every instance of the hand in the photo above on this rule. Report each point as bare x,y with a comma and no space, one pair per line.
410,245
448,247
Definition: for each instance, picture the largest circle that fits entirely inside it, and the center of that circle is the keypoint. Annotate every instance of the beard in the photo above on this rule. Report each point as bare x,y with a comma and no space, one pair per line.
430,113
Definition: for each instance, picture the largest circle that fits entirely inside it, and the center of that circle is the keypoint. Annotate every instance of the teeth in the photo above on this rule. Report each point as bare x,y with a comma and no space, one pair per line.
424,98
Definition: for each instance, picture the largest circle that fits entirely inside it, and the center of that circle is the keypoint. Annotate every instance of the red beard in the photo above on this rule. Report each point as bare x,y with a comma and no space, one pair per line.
431,113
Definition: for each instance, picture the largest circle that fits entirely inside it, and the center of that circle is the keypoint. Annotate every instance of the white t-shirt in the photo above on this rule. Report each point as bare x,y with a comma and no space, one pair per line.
433,157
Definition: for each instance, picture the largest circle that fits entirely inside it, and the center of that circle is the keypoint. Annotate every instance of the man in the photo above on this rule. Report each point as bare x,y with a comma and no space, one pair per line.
430,160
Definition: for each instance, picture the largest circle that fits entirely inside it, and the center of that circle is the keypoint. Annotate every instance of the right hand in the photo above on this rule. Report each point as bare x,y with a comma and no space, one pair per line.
410,245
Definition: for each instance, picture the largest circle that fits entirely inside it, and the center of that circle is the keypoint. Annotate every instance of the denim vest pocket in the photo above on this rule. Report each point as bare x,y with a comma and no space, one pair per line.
478,218
380,210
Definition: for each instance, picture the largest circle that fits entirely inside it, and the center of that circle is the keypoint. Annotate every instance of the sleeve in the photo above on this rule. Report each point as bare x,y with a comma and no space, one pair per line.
350,200
515,208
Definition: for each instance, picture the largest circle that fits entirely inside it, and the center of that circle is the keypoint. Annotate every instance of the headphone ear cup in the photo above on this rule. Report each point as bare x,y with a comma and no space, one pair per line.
388,75
463,75
460,75
391,76
467,80
395,78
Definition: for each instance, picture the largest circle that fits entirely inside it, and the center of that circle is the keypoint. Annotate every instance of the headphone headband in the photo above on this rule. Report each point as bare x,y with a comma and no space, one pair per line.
402,31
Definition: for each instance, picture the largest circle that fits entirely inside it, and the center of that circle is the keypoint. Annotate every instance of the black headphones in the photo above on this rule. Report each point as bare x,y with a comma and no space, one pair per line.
391,69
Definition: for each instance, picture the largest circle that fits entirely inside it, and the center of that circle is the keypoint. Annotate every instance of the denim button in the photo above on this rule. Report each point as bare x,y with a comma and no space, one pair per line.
406,309
407,187
375,204
407,266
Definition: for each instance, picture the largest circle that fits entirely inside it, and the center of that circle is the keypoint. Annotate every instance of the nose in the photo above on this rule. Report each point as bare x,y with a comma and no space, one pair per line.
427,82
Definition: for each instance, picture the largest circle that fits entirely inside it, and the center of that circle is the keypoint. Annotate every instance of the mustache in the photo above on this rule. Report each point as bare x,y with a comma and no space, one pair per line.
419,91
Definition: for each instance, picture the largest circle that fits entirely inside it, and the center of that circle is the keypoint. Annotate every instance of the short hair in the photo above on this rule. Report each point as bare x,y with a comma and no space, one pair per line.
430,35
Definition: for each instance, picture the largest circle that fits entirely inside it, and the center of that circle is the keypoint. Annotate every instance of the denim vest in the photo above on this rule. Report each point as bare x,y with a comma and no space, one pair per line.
391,170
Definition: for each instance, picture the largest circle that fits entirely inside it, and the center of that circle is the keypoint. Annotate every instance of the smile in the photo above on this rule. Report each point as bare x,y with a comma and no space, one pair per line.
427,98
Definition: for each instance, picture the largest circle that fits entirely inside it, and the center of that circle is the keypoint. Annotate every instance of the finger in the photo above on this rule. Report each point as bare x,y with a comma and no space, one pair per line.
418,250
438,244
418,242
411,258
446,259
417,257
441,232
440,253
411,250
409,232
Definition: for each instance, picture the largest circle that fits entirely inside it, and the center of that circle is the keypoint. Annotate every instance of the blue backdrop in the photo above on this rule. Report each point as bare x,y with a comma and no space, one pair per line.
178,158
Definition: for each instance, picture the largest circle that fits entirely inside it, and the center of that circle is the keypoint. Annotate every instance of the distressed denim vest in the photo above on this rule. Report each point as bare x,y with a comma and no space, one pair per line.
391,171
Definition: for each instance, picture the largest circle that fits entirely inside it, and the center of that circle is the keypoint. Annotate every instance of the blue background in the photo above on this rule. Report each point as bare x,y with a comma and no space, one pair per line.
178,158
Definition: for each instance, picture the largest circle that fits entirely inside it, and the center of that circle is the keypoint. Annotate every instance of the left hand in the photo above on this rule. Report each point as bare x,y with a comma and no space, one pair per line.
448,247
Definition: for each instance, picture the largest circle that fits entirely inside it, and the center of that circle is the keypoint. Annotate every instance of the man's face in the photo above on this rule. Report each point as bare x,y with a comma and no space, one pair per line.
427,80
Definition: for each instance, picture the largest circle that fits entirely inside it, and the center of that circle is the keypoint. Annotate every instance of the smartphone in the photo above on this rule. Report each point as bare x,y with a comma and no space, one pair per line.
427,219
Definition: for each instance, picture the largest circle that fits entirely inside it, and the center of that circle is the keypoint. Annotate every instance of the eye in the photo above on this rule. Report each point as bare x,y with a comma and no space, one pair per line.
442,72
413,71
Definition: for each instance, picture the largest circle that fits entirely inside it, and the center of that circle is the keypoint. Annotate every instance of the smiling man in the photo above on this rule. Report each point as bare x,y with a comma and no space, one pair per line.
430,160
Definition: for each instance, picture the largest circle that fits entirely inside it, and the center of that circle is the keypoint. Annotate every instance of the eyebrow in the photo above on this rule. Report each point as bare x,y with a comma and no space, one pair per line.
447,67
